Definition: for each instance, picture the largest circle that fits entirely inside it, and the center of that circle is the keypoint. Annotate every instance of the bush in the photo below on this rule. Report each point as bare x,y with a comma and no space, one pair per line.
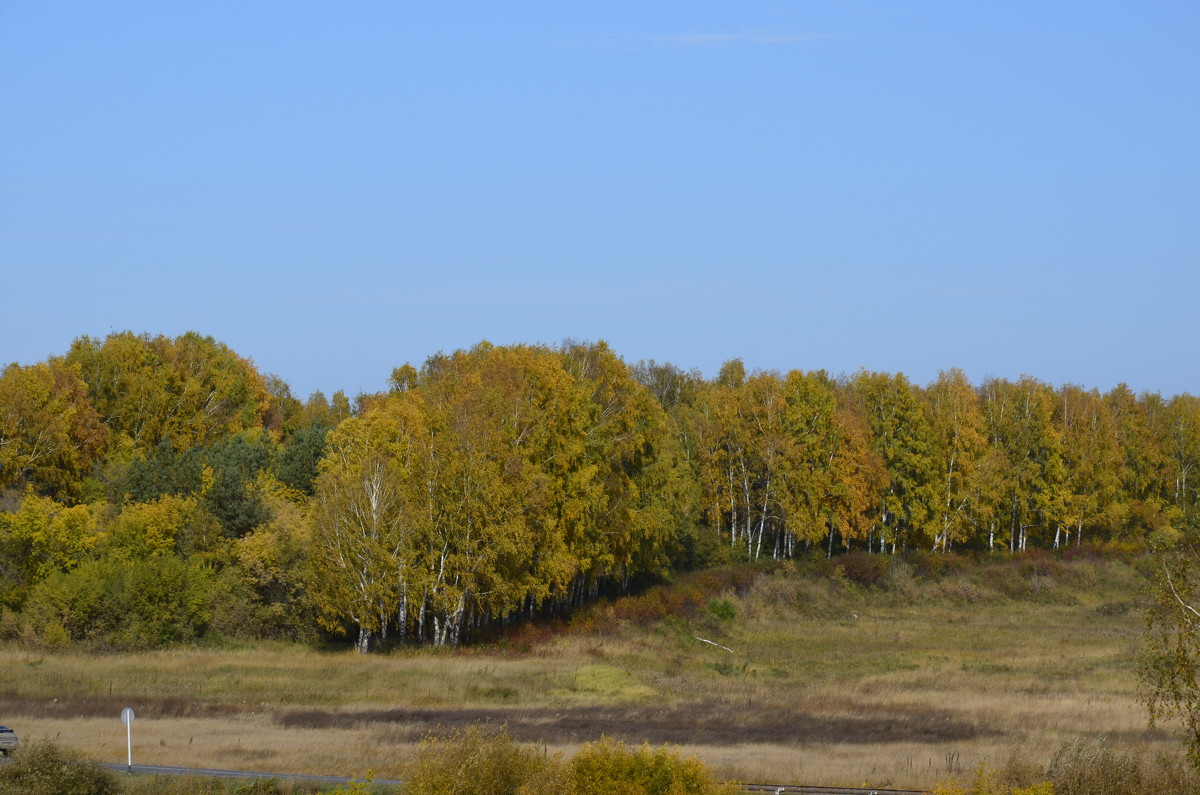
45,769
1080,768
722,609
863,568
138,604
609,767
476,761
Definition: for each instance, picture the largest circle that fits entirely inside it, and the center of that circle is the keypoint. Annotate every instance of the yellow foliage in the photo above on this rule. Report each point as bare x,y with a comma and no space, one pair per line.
166,526
986,783
57,536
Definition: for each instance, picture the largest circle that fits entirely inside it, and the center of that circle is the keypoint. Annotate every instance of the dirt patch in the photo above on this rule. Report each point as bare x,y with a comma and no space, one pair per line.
706,722
697,723
110,707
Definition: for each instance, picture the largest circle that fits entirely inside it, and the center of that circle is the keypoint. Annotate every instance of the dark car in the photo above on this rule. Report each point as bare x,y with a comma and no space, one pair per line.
8,740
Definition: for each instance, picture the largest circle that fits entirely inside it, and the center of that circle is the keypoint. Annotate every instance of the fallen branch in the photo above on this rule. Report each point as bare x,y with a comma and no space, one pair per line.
710,643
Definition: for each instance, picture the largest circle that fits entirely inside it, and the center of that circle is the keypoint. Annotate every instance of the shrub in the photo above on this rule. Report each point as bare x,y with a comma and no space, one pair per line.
10,624
722,609
138,604
958,589
610,767
863,568
45,769
260,786
988,782
934,565
476,761
900,579
1080,768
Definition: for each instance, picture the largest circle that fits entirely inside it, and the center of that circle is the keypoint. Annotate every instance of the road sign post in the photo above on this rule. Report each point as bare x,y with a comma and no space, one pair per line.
127,719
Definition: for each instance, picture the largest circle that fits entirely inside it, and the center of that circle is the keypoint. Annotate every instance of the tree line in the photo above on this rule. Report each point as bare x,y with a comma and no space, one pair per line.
155,489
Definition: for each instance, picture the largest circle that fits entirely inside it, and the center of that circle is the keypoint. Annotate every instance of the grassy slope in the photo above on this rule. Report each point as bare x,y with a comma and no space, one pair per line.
899,683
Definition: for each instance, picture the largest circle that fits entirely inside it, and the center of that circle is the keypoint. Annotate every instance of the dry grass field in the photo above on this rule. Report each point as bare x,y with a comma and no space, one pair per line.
914,678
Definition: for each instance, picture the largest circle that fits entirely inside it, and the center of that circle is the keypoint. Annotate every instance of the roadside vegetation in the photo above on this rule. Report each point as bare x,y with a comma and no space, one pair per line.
473,761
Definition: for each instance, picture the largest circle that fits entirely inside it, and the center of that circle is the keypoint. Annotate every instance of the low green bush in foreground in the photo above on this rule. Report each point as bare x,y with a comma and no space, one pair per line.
45,769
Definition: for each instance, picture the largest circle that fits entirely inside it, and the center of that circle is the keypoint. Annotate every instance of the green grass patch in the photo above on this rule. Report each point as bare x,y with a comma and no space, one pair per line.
610,682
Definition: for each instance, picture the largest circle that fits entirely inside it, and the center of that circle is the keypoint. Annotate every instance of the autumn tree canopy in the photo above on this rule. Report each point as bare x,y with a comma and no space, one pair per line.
493,484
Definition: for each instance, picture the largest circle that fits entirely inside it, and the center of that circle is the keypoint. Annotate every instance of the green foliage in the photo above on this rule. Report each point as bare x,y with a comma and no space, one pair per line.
723,608
1171,654
163,470
169,525
236,462
957,453
221,476
260,786
167,784
270,562
43,768
144,603
42,537
296,463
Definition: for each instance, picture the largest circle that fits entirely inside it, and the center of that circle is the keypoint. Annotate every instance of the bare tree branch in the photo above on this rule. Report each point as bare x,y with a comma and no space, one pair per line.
1178,598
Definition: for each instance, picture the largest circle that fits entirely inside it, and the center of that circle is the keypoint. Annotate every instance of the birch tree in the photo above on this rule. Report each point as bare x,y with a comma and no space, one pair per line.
958,445
901,435
1181,442
361,542
1020,425
1092,461
1171,654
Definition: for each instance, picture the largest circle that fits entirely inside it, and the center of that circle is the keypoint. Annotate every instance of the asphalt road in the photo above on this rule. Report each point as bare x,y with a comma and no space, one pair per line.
163,770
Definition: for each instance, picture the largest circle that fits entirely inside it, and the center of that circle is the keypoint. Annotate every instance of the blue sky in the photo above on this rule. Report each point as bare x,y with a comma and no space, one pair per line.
336,189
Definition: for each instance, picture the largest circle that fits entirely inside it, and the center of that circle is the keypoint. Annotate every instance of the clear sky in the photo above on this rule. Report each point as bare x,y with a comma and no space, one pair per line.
334,189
